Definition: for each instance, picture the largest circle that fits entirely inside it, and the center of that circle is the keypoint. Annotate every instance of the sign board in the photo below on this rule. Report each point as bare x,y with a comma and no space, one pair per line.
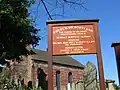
74,39
69,37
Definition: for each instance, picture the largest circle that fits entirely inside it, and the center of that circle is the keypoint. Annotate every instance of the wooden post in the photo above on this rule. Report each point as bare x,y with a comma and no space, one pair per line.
99,60
116,46
50,70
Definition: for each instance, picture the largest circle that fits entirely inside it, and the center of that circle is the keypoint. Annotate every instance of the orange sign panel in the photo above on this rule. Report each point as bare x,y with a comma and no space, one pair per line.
73,39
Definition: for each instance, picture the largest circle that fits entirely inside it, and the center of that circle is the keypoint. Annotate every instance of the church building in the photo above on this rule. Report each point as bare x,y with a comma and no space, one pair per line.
33,69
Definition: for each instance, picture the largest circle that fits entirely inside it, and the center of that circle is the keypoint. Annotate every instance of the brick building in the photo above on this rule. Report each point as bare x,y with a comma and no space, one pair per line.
34,69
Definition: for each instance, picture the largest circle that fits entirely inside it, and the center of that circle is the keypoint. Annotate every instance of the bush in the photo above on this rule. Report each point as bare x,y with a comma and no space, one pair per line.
116,87
6,83
37,89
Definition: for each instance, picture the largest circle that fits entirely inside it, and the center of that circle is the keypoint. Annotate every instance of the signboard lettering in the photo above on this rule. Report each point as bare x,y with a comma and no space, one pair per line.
75,39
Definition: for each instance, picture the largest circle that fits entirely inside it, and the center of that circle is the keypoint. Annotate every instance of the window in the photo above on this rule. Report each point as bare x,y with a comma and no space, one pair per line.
70,81
41,76
58,80
69,77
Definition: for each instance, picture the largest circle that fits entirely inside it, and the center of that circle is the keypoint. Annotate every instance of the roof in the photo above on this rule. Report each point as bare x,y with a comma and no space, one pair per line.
63,60
115,43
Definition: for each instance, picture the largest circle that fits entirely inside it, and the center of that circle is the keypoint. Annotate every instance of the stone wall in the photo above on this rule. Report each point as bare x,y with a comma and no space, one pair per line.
22,70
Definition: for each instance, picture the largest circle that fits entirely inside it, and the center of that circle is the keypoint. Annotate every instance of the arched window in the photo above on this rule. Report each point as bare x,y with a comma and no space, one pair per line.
70,81
41,76
58,80
69,77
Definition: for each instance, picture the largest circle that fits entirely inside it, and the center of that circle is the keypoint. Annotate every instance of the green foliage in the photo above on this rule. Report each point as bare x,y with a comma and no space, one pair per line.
6,82
16,28
33,89
90,76
37,89
116,87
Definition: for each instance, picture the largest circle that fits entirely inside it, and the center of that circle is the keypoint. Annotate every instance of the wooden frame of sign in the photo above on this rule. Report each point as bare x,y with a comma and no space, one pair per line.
71,37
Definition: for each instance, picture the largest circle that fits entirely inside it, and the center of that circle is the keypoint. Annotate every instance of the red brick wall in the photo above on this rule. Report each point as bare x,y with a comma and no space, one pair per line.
77,73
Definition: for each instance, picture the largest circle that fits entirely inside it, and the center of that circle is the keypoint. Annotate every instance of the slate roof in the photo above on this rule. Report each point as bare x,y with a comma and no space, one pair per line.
63,60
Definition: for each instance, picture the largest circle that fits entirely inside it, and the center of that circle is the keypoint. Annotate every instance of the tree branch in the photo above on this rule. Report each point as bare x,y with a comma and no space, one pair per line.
72,2
46,9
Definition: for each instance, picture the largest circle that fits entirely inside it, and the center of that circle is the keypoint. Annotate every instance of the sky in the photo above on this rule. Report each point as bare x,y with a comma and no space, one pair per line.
107,11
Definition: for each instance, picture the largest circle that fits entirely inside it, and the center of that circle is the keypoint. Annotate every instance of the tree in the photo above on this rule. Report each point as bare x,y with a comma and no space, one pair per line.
17,30
58,8
90,77
54,9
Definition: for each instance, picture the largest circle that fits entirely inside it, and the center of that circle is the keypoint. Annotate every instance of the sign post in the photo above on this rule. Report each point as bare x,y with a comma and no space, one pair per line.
100,62
73,37
116,46
50,70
